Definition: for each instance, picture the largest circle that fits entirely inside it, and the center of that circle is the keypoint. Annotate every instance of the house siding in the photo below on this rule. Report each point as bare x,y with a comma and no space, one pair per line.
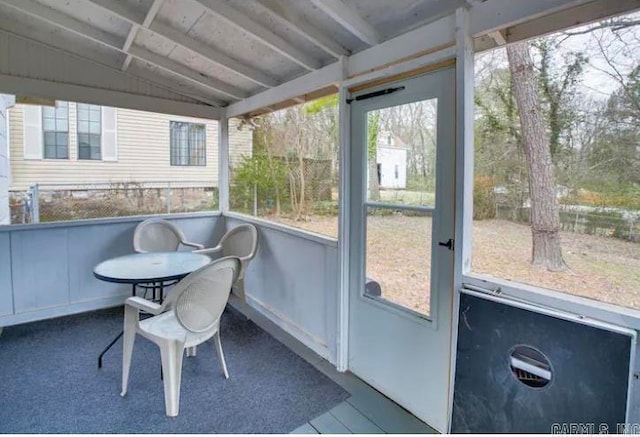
5,177
143,153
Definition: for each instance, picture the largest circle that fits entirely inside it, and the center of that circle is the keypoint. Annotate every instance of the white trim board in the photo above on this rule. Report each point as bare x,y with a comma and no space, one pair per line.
120,99
485,17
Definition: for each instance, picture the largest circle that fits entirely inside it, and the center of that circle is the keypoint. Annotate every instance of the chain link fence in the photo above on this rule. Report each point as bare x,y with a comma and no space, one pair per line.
48,202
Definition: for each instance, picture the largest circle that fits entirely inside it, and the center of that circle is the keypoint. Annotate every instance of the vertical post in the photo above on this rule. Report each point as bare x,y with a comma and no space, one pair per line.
35,204
223,164
344,133
255,200
168,197
464,172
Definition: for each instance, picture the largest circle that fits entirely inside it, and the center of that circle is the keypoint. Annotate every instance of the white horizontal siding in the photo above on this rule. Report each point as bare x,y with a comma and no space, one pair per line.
143,153
4,163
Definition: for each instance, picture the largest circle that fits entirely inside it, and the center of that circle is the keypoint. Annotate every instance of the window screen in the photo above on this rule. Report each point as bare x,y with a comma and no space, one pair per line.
188,144
89,131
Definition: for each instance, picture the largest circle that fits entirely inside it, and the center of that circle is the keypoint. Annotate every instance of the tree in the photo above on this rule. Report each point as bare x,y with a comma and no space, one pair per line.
545,221
373,121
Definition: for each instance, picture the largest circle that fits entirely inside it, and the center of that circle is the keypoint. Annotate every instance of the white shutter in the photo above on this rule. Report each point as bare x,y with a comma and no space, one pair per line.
32,123
109,134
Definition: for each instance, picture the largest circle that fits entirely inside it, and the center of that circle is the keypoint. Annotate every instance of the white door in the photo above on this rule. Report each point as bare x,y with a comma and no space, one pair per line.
401,270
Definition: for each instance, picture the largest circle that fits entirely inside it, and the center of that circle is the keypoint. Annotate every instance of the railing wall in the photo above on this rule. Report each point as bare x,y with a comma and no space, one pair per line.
293,281
46,270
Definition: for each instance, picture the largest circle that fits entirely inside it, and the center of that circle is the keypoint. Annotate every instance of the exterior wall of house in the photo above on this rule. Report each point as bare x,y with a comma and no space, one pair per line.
5,173
393,167
143,153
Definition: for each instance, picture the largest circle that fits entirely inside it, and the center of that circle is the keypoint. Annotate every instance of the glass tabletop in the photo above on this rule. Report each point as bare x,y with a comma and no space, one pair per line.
150,267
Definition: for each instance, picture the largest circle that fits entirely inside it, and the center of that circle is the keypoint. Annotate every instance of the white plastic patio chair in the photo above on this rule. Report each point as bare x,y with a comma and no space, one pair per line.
241,241
189,317
158,235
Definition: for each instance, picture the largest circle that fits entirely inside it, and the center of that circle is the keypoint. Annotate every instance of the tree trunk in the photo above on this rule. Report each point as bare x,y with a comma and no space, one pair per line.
373,121
545,221
374,186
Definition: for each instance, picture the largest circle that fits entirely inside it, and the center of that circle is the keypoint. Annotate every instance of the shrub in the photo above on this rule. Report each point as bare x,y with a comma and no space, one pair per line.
484,201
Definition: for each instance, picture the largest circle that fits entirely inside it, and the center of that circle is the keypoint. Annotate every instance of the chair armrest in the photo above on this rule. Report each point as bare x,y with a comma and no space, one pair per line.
144,305
209,250
194,245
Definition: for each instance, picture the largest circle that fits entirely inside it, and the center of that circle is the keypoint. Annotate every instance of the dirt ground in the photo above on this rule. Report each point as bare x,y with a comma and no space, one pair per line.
398,256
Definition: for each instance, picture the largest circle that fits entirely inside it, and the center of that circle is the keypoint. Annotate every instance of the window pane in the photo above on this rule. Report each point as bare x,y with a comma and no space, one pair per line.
62,125
49,124
83,152
94,127
83,140
401,154
83,113
61,139
83,126
404,278
62,152
570,223
49,138
49,151
187,144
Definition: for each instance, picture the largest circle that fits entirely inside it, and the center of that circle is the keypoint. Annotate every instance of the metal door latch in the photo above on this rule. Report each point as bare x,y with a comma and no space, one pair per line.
448,244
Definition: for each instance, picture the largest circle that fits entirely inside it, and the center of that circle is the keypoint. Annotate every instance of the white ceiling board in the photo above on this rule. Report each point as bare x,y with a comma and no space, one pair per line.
325,24
154,43
201,65
180,14
261,16
162,78
391,19
22,24
90,14
229,40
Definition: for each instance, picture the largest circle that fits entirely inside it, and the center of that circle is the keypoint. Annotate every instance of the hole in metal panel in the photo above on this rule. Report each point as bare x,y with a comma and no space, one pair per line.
530,366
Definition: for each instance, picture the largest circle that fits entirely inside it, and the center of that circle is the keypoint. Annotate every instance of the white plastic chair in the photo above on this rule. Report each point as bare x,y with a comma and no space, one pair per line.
158,235
241,241
188,317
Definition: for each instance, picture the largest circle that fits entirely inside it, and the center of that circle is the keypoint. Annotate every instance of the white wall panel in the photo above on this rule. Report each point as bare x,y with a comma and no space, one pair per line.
6,297
39,265
46,270
294,282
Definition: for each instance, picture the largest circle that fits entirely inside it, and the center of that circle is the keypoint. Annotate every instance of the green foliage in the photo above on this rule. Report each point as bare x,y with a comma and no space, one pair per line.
327,102
262,175
373,122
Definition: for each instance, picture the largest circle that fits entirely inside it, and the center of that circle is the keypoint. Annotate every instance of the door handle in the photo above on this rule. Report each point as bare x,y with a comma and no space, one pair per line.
448,244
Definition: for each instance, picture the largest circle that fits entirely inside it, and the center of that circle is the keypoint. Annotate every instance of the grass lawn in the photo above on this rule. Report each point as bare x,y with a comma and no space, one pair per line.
600,268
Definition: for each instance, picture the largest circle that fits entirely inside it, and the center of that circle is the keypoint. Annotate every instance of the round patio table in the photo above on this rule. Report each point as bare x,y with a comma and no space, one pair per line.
148,268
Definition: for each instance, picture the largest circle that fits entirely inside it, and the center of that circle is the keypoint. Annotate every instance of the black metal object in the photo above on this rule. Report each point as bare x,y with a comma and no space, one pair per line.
448,244
376,94
585,383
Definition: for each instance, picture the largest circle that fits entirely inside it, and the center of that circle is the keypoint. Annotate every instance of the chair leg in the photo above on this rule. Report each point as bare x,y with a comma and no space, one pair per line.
191,351
216,340
171,353
129,337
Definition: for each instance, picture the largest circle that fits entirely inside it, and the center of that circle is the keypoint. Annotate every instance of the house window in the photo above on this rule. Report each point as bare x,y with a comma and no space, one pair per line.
55,127
89,131
188,144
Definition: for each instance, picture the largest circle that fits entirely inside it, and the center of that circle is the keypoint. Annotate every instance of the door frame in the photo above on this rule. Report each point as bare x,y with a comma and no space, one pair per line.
463,53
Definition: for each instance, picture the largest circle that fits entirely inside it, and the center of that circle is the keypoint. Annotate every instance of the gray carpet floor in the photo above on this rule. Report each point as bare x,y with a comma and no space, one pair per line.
50,383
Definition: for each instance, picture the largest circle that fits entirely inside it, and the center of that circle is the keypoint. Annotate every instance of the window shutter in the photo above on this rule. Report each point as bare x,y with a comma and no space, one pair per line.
32,123
109,134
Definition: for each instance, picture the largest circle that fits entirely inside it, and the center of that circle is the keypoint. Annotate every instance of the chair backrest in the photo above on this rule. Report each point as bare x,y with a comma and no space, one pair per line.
199,299
156,235
241,241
